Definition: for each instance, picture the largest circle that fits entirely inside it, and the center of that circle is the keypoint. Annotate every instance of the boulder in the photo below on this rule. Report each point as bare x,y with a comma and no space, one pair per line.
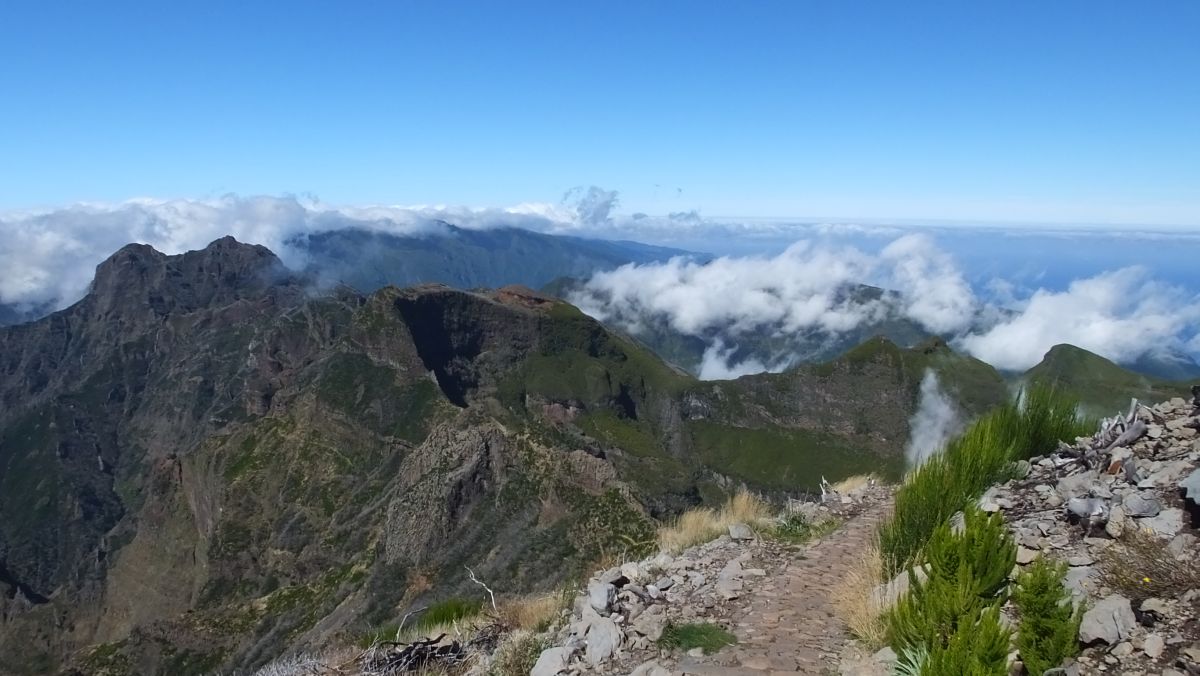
1077,485
1109,621
651,668
740,531
601,595
603,639
552,661
729,580
650,623
1153,646
1088,508
1182,546
886,594
1167,524
1141,505
1191,487
1026,556
1080,581
1115,525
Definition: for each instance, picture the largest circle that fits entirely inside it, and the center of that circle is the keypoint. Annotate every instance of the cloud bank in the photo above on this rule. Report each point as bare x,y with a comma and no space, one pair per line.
1123,315
50,256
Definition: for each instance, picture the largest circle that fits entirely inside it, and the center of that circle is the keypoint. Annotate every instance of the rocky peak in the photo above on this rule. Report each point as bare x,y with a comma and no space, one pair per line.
138,278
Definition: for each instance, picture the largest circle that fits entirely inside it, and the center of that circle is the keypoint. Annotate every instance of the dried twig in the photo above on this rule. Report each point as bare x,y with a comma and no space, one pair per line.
405,619
481,584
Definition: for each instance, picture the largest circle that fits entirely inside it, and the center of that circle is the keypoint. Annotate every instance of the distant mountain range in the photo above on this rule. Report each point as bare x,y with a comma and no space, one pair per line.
466,259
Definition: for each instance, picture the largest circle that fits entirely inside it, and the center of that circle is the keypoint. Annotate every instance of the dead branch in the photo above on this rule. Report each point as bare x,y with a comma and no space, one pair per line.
481,584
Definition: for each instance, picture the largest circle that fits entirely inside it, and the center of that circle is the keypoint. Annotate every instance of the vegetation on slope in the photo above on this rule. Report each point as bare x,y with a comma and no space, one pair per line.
1098,384
952,617
1049,618
1030,425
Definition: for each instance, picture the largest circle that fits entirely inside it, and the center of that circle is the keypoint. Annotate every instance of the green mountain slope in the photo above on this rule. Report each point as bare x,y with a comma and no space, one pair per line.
1102,387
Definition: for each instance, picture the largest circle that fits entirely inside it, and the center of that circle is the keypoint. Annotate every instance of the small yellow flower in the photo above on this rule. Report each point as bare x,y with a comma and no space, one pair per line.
1146,580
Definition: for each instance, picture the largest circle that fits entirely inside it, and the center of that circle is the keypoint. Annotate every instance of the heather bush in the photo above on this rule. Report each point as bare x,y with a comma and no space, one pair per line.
966,574
1049,630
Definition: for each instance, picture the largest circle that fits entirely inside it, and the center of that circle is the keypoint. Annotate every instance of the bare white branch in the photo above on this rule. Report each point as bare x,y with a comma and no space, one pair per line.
481,584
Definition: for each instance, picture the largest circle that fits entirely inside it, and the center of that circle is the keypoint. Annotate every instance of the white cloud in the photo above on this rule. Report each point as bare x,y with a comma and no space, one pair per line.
795,290
1121,315
935,293
718,363
934,423
51,256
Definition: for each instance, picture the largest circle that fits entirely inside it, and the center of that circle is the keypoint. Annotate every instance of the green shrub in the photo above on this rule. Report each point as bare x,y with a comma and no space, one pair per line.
977,648
984,454
966,576
911,661
1049,630
704,635
983,547
943,485
796,529
1044,417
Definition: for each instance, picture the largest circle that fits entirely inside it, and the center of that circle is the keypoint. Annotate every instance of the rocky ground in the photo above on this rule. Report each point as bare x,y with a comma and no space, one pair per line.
774,598
1119,509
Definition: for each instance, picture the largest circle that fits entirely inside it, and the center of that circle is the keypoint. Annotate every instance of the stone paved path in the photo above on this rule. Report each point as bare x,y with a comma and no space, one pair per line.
789,625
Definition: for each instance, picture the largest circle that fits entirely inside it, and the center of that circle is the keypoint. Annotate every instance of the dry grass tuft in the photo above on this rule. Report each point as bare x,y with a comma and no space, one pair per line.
517,654
533,613
853,483
1139,565
855,599
703,524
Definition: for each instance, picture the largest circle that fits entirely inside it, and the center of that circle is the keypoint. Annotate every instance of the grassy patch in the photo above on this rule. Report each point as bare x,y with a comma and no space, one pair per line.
700,525
430,621
517,655
535,613
704,635
448,611
783,458
796,529
1139,565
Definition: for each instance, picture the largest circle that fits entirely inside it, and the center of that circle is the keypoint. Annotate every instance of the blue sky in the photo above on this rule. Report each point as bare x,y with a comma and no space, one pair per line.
965,111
